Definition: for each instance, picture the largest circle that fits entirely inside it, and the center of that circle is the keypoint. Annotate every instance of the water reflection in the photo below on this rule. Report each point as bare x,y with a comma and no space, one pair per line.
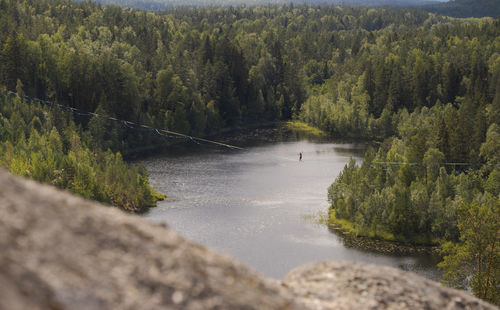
254,204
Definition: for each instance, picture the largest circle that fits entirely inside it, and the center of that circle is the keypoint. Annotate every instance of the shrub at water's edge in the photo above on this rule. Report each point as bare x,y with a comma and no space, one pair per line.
348,227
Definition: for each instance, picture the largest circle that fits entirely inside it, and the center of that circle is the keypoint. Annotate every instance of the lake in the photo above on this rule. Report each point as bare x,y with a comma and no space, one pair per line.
261,205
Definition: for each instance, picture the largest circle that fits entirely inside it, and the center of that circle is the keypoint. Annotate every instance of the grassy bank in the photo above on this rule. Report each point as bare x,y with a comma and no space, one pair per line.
348,228
301,127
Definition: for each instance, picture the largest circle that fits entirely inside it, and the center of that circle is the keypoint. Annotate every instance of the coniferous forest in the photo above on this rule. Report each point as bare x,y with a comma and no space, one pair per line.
423,89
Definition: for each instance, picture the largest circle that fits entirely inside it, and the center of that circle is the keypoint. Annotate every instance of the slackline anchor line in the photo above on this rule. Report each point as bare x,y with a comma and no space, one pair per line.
129,124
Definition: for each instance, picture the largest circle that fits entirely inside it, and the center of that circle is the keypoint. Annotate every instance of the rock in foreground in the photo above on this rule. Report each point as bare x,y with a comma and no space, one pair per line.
62,252
348,285
58,251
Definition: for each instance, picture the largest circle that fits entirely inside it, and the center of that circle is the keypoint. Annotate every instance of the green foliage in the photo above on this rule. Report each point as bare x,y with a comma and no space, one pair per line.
199,71
302,128
466,8
474,261
412,68
41,152
412,177
400,194
490,149
435,178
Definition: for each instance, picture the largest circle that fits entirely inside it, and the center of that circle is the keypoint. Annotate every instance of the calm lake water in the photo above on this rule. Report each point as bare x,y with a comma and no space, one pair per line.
260,205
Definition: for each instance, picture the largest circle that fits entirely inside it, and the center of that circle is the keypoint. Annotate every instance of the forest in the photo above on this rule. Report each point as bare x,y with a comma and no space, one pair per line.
432,100
46,145
424,89
454,8
153,5
466,8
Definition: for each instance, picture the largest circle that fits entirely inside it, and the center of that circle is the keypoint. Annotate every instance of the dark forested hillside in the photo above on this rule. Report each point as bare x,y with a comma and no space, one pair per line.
466,8
195,71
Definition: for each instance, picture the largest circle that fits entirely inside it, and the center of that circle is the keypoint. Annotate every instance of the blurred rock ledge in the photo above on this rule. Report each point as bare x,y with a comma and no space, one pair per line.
58,251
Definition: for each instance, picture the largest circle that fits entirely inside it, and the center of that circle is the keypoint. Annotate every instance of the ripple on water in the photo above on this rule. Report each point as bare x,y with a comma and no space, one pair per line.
257,205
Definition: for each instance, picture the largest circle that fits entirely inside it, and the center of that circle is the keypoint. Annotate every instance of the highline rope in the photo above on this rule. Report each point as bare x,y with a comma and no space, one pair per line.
129,124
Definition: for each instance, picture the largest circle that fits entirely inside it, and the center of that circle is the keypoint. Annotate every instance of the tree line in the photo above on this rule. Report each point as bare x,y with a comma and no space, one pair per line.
455,8
197,71
466,8
431,97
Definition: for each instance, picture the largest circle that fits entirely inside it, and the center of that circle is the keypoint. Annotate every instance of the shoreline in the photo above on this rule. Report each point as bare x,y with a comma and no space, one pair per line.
352,237
252,134
243,136
146,151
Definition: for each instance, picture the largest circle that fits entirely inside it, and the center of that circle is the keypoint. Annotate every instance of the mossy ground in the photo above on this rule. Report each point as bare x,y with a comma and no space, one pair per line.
349,228
301,127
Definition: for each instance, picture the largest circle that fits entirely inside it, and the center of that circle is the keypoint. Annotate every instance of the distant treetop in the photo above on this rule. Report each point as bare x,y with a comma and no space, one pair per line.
454,8
154,5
